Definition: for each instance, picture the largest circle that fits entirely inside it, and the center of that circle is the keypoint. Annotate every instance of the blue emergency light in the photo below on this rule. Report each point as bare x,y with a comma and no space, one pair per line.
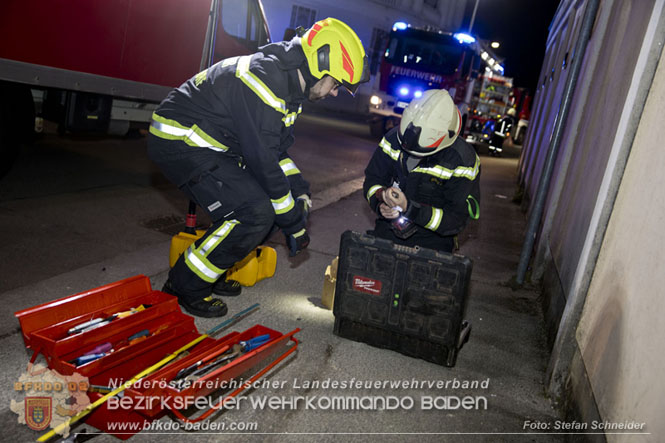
403,91
418,94
464,38
400,26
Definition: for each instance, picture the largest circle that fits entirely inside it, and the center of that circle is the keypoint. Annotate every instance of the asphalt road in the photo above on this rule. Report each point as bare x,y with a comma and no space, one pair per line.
74,218
71,201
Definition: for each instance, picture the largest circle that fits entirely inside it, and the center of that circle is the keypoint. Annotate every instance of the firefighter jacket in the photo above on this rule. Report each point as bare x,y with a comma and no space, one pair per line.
503,127
245,107
443,189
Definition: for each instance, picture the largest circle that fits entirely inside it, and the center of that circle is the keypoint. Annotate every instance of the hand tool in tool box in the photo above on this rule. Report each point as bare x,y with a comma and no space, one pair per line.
98,322
99,352
188,370
235,351
105,349
165,361
245,362
138,337
198,369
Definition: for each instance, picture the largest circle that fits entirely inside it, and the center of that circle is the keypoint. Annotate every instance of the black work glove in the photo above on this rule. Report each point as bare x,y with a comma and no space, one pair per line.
305,204
296,235
297,241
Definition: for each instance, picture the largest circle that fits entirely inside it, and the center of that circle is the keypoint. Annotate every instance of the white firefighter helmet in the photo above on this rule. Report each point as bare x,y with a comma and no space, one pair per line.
511,112
430,123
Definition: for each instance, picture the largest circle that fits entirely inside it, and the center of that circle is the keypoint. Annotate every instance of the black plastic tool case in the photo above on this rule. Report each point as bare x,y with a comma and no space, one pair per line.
410,300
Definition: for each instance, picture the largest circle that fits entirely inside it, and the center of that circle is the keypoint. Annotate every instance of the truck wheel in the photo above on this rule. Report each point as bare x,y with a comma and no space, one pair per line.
17,122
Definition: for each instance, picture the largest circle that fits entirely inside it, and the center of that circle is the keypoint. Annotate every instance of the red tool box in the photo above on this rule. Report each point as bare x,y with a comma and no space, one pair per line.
45,331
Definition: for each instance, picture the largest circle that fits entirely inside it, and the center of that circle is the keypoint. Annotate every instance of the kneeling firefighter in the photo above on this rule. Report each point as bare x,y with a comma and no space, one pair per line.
423,180
222,138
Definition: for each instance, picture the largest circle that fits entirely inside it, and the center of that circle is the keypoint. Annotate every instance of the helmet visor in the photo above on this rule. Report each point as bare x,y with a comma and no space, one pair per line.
409,139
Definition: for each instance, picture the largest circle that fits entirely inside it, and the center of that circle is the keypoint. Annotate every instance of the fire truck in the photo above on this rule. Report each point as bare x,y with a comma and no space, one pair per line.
418,59
92,65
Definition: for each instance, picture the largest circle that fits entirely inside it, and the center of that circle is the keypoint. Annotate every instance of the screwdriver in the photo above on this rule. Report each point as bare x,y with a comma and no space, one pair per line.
99,352
98,322
138,337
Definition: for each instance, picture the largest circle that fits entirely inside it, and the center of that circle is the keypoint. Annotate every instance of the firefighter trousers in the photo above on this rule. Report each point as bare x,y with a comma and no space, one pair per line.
240,210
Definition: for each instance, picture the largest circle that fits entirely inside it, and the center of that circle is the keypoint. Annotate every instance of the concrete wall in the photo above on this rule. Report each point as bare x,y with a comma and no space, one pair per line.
591,148
621,331
599,246
591,130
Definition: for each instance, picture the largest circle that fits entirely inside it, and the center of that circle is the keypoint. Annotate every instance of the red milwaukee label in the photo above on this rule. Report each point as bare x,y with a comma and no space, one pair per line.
368,285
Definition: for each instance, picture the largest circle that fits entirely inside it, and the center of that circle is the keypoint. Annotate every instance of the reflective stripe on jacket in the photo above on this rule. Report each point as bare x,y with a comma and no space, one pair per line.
445,185
245,107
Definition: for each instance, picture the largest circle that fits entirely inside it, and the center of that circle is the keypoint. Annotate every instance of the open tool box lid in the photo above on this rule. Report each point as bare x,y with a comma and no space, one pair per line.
77,308
45,327
45,330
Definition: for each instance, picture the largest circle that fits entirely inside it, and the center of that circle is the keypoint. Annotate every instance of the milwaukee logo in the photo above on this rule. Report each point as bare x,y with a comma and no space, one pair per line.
406,72
368,285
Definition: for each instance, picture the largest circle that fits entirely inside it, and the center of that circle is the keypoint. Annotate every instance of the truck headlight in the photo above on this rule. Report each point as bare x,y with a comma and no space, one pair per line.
375,100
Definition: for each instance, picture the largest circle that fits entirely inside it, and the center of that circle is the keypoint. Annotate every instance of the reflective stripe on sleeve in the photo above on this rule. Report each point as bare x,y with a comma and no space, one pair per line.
372,191
290,118
288,167
194,136
300,233
435,220
283,205
387,148
256,85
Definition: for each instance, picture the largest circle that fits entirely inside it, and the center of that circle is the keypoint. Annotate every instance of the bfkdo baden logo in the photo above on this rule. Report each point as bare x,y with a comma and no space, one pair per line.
49,398
38,412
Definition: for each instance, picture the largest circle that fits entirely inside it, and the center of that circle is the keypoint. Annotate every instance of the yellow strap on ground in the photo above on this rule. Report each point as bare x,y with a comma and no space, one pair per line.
144,373
116,391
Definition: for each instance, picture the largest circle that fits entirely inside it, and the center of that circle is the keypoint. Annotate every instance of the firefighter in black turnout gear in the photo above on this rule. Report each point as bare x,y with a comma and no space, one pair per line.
423,180
502,130
222,138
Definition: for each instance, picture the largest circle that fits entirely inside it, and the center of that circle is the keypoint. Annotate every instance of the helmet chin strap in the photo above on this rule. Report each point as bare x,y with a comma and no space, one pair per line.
303,85
306,77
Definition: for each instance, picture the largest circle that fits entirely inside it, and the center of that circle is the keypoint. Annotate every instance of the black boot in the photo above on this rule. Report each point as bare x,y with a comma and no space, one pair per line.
207,307
226,288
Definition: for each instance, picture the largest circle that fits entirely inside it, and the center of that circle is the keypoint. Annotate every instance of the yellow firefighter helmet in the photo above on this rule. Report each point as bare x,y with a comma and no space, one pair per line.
332,48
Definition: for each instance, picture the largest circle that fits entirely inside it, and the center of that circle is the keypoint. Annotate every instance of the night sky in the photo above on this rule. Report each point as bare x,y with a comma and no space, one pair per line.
521,26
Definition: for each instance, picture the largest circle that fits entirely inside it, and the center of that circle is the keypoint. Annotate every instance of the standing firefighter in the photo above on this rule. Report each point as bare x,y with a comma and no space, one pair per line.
502,130
423,180
222,138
